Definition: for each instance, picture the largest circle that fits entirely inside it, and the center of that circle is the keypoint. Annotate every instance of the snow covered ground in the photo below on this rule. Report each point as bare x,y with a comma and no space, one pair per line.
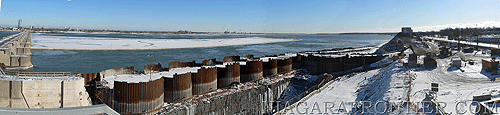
94,43
388,84
456,84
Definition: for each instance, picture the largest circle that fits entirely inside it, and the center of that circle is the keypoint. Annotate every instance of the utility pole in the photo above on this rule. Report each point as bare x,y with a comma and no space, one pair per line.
150,66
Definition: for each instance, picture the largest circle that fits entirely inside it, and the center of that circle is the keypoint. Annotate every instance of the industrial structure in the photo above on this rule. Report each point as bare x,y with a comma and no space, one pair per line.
406,31
43,90
16,51
148,92
132,92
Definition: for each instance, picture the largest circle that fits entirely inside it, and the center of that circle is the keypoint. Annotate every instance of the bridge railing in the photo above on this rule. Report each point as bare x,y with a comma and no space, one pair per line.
42,74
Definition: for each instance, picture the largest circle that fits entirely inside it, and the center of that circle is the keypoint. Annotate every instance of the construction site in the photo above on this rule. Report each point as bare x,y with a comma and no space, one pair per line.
405,67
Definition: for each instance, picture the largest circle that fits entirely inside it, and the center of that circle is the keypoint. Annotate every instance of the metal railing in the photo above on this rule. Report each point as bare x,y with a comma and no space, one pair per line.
46,74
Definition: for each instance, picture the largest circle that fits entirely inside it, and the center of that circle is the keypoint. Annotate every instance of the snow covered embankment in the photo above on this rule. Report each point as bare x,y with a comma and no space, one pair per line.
388,84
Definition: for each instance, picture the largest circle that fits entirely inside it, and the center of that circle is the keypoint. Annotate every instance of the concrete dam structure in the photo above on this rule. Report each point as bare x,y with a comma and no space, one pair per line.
263,79
54,91
235,85
266,90
15,51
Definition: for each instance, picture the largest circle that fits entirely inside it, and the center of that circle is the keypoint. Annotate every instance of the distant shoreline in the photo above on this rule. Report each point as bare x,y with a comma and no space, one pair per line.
388,33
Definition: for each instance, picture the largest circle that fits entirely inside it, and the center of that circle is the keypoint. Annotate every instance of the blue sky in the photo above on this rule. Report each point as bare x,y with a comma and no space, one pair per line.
301,16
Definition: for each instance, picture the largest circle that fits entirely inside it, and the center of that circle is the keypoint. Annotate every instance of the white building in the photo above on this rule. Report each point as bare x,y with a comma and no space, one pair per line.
19,23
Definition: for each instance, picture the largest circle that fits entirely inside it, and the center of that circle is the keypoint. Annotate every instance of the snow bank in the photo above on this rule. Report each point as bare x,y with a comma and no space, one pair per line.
385,84
455,84
47,42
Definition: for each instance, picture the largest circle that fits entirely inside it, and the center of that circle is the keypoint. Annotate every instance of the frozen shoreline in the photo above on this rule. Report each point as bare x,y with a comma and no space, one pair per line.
44,42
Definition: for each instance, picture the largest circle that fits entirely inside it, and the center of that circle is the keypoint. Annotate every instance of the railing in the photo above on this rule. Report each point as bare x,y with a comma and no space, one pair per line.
46,74
9,38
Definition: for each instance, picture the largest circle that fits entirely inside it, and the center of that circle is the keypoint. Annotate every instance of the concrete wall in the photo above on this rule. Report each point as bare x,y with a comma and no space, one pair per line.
5,57
43,94
25,61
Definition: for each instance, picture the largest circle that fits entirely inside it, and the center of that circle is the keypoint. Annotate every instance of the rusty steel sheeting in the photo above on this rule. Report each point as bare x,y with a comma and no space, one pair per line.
204,80
231,59
284,65
209,62
153,67
178,88
270,67
90,76
252,70
137,98
296,61
178,64
249,57
228,75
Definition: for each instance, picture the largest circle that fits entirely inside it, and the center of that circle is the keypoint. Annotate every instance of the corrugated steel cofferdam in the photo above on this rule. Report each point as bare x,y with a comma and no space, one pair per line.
270,67
178,88
251,70
284,65
296,61
91,76
204,80
249,57
138,98
231,59
209,62
228,74
177,64
153,67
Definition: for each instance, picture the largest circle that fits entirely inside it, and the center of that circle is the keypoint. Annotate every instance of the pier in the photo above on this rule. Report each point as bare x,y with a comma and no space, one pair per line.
16,51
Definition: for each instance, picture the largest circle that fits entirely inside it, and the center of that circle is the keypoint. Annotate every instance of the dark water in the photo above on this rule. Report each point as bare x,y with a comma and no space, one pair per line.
7,33
96,61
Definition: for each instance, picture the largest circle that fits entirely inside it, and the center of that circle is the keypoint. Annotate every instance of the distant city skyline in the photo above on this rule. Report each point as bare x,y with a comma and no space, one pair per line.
293,16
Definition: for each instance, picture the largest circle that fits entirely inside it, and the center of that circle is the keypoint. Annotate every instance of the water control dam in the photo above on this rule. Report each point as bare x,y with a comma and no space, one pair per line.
15,51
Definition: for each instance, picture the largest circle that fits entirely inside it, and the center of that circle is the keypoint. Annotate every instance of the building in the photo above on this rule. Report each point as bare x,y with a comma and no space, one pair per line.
406,31
457,62
19,23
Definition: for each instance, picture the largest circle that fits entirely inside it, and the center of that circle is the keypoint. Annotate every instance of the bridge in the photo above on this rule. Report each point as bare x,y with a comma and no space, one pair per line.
15,51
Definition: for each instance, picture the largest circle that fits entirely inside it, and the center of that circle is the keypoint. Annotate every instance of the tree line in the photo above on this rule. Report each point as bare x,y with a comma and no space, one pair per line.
458,33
